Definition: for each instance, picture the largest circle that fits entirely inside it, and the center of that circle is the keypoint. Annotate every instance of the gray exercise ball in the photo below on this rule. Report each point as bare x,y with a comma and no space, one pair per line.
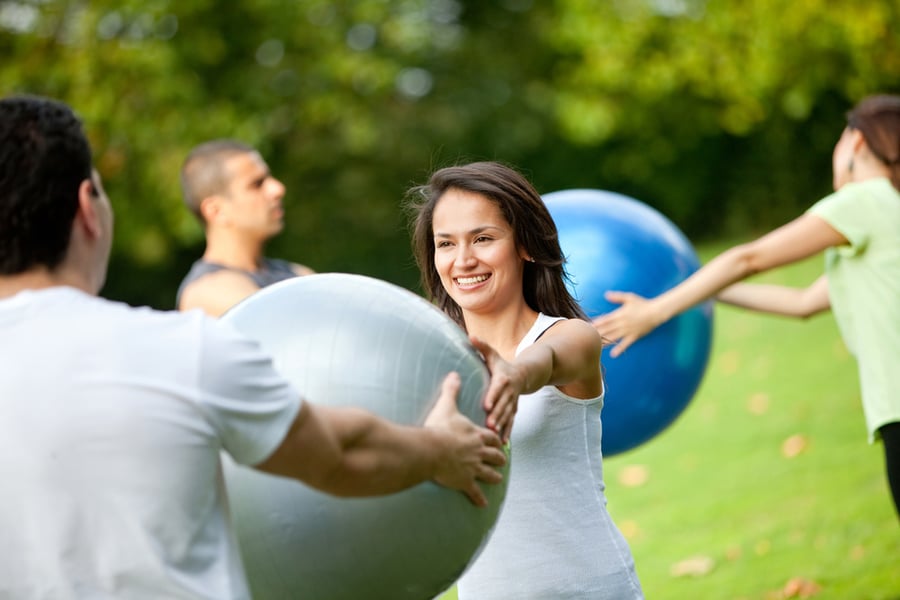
351,340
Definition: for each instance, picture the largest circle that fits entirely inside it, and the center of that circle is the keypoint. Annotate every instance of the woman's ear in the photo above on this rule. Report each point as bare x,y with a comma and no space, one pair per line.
857,140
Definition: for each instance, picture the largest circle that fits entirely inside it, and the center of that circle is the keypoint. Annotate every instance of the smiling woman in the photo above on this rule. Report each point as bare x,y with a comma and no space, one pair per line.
475,252
490,258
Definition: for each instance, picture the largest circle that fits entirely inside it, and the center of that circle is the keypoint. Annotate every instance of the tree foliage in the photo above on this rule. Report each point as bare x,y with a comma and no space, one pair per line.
722,115
720,108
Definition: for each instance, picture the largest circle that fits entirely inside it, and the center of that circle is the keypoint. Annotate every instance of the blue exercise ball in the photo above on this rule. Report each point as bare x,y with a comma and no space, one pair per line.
351,340
614,242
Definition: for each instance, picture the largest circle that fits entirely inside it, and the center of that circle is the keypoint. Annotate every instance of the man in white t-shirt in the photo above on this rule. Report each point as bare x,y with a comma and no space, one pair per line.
114,417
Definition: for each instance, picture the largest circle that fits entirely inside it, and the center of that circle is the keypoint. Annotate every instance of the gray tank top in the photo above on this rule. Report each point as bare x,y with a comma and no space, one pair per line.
272,270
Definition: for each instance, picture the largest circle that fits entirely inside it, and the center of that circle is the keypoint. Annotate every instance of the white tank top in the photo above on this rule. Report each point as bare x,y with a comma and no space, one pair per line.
554,539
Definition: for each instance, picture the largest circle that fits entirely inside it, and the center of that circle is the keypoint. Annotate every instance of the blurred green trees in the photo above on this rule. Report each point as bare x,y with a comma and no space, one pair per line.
720,114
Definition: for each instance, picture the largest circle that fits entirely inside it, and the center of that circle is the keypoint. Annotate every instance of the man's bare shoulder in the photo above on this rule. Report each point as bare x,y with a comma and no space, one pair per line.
216,292
301,270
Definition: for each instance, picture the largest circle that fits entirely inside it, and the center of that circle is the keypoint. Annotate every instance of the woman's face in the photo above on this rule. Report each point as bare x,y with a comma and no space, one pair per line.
475,252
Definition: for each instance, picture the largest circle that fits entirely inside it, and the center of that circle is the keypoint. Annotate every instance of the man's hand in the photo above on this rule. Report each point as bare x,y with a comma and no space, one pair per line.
473,452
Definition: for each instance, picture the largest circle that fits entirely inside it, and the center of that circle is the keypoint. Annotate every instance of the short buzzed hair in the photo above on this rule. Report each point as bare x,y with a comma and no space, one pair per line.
203,172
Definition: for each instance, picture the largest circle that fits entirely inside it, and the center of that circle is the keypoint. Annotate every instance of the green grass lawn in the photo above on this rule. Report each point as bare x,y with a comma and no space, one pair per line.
721,492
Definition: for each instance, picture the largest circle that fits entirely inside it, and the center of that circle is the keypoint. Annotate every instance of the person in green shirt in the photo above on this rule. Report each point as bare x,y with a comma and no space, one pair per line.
858,228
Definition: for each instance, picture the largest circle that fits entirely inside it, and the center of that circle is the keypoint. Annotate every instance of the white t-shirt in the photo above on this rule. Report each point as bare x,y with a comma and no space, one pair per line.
112,422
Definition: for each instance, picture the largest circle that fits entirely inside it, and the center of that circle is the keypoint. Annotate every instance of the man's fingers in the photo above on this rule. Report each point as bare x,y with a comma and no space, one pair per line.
490,438
489,474
476,496
450,385
446,402
494,456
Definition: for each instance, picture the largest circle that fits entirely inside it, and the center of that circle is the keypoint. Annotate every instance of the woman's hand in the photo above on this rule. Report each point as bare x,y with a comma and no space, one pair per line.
502,397
630,322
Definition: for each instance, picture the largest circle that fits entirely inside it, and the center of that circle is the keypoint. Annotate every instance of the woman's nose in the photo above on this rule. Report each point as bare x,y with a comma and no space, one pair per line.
464,255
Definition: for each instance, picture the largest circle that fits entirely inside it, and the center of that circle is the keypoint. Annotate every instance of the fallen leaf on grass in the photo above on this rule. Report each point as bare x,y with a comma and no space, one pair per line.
794,445
629,529
634,475
733,553
729,361
695,566
799,587
758,403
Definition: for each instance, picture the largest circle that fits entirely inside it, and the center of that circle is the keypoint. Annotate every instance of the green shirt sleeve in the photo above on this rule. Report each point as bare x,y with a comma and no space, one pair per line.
845,210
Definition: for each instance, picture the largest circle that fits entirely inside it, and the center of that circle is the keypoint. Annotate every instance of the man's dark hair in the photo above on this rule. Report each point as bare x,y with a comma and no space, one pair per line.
44,157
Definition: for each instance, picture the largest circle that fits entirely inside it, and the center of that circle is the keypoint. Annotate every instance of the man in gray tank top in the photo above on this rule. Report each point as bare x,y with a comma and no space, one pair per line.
228,186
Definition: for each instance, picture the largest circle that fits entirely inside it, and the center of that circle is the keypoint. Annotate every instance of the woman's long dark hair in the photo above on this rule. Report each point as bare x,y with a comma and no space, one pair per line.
544,280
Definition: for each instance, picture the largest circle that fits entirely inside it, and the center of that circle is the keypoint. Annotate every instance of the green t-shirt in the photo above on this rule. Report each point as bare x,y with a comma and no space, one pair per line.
864,288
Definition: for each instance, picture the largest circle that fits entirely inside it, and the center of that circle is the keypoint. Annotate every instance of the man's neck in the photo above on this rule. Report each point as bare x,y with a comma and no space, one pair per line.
39,278
238,254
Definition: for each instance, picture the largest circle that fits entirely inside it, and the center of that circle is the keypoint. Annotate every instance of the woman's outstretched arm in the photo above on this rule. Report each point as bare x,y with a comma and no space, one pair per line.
782,300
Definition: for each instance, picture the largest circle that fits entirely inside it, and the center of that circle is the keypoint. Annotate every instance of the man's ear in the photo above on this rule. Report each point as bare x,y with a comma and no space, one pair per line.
211,208
87,211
